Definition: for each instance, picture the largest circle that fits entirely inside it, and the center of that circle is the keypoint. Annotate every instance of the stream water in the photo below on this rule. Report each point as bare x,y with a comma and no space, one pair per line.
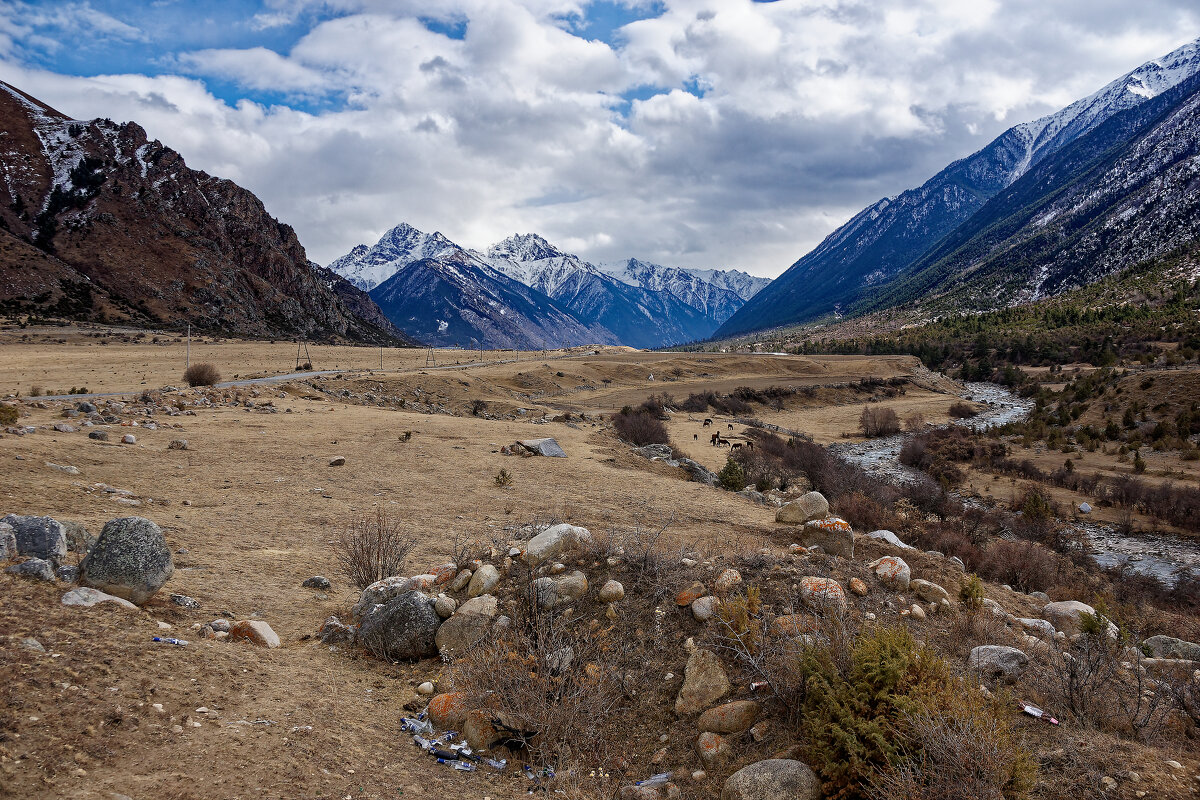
1160,556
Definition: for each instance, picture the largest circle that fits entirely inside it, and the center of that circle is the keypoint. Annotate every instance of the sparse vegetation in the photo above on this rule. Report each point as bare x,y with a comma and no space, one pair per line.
372,547
640,427
503,478
878,422
202,374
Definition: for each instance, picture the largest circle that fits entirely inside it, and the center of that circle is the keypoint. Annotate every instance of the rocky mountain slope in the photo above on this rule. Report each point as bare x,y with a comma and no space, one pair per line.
646,306
97,222
884,240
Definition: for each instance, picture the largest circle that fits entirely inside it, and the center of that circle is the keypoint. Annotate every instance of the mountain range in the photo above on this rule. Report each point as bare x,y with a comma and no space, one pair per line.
1048,205
525,292
98,222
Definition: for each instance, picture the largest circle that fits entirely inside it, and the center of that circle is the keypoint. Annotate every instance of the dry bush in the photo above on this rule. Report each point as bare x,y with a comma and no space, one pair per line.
1025,566
961,410
914,422
203,374
640,428
878,422
372,548
653,568
555,680
966,750
8,414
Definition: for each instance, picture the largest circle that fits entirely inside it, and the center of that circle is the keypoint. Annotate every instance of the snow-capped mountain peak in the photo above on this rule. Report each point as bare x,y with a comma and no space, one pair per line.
367,267
524,247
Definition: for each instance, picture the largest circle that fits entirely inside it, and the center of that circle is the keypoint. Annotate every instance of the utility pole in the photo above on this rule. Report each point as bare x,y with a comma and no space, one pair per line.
381,358
187,361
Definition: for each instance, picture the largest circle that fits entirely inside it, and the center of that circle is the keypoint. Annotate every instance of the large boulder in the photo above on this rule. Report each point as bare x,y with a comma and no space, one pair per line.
131,559
381,592
804,508
822,594
84,597
997,662
36,568
469,624
1170,647
833,534
553,542
1067,615
893,572
543,447
448,711
255,631
772,779
732,717
39,537
404,628
704,683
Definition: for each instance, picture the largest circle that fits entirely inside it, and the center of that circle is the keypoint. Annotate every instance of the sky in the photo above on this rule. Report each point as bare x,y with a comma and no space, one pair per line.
701,133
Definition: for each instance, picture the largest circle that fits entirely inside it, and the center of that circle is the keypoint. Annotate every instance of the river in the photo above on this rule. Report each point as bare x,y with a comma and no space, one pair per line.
1160,556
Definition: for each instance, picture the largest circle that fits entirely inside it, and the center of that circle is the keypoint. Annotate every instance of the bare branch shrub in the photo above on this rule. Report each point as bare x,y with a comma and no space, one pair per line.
373,547
640,428
961,410
202,374
878,422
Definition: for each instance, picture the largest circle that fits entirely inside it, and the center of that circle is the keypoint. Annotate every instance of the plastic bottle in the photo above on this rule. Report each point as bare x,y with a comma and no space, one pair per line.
661,779
168,640
465,766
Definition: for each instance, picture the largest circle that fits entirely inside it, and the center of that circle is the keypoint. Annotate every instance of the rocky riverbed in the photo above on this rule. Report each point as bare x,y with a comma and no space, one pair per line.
1160,556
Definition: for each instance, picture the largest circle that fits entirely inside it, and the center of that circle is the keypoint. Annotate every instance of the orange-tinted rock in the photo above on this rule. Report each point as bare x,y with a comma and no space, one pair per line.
690,594
479,731
732,717
858,587
255,631
444,574
448,710
726,581
712,748
822,593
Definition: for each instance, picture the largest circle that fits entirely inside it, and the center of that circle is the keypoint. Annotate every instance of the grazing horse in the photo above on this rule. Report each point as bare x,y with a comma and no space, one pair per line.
695,437
707,422
733,447
749,445
731,426
716,439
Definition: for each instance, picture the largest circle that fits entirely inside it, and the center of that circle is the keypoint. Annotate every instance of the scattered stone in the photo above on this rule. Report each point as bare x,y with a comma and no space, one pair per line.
178,444
822,593
64,468
1085,508
704,683
928,591
29,643
726,581
1067,615
87,597
1038,627
690,594
553,542
571,586
485,579
917,612
383,591
543,447
611,592
892,572
335,632
337,461
462,579
8,542
319,582
804,508
760,731
468,625
543,592
255,631
712,748
98,435
890,538
479,731
129,438
401,629
997,662
832,534
85,407
67,573
36,568
445,605
130,559
771,779
223,625
858,587
425,689
705,608
448,711
40,537
732,717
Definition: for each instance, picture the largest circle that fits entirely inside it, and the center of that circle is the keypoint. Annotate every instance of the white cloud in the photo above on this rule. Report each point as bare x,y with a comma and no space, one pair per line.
809,111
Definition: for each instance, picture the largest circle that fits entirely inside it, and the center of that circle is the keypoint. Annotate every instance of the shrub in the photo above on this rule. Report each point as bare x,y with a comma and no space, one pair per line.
914,421
640,428
203,374
503,478
971,592
732,476
8,415
372,548
35,391
478,407
1026,566
878,422
961,410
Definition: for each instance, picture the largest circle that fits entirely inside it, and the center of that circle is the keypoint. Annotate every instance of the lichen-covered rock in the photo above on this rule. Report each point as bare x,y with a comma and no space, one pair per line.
893,572
255,631
733,717
1169,647
822,594
832,534
131,559
445,606
928,591
689,595
334,631
808,506
39,537
726,582
86,598
858,587
36,568
317,582
8,542
773,779
704,683
404,628
553,542
448,710
611,592
712,748
705,608
469,624
381,592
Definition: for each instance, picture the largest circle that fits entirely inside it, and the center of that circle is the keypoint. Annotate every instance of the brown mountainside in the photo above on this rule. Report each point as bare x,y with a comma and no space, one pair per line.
97,222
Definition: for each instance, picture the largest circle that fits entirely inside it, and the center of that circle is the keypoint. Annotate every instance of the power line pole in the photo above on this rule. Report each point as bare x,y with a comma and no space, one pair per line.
187,360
